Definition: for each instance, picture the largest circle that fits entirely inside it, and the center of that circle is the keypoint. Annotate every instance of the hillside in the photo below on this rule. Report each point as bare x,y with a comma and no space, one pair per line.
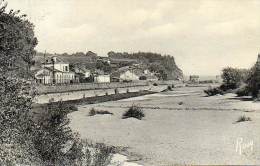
87,59
165,65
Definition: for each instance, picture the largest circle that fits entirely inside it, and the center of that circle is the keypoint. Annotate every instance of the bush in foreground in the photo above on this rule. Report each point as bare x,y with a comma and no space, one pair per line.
214,91
244,91
48,141
57,144
243,119
134,112
93,112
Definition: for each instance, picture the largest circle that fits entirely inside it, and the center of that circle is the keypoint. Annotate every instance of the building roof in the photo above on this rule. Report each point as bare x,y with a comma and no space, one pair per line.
58,60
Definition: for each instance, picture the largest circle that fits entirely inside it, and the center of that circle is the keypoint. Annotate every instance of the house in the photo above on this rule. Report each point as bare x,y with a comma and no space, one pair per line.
124,74
194,79
104,59
103,78
55,71
82,74
132,73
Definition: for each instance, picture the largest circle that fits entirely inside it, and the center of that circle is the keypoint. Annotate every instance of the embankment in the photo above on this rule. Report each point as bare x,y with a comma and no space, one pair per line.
74,92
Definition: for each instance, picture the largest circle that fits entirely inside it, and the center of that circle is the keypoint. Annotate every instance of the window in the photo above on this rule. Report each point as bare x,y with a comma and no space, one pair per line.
66,68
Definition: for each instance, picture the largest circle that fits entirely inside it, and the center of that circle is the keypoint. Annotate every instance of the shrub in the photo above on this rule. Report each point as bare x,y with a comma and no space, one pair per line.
155,84
169,88
95,153
93,112
134,112
243,119
244,91
180,103
214,91
142,78
72,108
233,77
84,152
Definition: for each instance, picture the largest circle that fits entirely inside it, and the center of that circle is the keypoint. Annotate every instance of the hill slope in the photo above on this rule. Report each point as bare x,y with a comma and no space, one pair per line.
164,65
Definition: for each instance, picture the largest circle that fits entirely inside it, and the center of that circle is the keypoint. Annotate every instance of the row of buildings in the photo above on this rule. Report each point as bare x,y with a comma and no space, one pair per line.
55,70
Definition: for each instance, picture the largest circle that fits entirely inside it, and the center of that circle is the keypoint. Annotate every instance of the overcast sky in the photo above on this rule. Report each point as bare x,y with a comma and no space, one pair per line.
203,36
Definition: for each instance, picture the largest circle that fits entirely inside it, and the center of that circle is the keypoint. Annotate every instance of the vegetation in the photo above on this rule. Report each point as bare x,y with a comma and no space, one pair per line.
164,66
234,80
214,91
93,112
134,112
244,81
24,140
252,82
233,77
104,66
16,127
243,119
244,90
169,88
180,103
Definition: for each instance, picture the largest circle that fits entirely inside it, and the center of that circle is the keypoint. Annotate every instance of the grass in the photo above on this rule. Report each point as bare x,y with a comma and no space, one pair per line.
134,112
97,153
243,119
93,112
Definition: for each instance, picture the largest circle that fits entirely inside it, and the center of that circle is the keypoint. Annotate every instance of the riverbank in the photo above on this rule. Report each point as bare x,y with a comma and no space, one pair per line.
180,127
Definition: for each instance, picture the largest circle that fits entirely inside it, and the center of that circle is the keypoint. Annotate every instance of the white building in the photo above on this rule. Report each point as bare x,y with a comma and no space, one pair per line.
55,71
81,70
133,73
104,78
128,76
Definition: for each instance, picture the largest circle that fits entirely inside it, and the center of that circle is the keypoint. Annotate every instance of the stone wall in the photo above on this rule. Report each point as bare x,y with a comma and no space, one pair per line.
45,89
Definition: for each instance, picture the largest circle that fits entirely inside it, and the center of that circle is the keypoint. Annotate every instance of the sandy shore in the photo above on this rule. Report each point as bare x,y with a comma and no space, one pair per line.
200,130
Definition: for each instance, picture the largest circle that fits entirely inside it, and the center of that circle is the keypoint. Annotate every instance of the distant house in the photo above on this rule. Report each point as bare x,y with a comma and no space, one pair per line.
104,59
82,74
132,73
54,71
124,74
103,78
44,76
194,79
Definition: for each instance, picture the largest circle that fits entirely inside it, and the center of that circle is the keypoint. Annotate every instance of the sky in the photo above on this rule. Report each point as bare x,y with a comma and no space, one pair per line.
204,36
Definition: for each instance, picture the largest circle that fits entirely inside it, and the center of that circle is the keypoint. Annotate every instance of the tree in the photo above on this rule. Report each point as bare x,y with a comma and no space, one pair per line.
104,66
24,140
233,77
17,43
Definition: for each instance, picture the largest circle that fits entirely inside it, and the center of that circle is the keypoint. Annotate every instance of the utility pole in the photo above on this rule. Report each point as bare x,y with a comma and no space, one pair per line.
53,70
44,67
